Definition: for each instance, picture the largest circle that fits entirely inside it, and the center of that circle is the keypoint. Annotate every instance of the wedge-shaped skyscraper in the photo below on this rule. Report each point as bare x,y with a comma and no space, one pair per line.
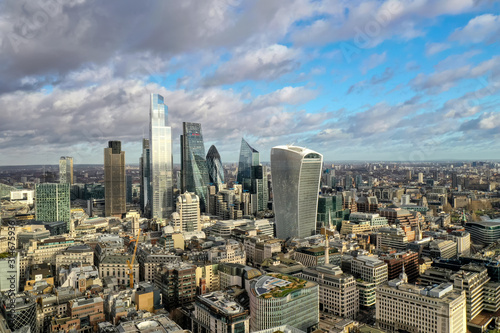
296,174
160,145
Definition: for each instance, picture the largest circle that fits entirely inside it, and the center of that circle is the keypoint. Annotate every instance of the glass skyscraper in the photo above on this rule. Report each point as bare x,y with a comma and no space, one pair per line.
193,164
214,165
66,170
296,174
252,175
52,203
160,141
144,167
249,158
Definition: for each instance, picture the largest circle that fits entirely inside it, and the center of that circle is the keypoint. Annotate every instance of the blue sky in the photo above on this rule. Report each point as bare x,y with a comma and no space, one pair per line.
405,80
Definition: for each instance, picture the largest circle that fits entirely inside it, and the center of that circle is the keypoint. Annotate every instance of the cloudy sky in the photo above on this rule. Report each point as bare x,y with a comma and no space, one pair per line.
355,80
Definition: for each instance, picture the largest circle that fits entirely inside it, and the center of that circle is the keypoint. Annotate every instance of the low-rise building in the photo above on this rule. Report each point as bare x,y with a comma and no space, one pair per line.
216,312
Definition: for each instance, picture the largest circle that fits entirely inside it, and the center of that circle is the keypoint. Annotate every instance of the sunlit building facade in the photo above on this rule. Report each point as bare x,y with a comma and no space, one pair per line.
160,145
66,170
296,174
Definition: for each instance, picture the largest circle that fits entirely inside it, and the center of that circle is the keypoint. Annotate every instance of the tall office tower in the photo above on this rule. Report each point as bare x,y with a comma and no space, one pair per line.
358,180
187,217
66,170
160,141
144,166
296,174
454,180
420,177
252,175
115,188
52,203
249,157
408,175
348,182
214,165
193,164
129,188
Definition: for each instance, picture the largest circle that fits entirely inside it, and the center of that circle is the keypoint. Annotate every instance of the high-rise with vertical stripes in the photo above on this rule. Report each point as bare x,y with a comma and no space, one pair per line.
296,174
160,141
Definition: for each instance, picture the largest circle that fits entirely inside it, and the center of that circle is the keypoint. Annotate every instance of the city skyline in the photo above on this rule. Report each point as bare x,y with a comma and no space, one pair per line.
371,80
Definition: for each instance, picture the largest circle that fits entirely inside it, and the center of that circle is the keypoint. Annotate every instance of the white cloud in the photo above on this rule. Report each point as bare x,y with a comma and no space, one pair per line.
373,61
483,28
433,48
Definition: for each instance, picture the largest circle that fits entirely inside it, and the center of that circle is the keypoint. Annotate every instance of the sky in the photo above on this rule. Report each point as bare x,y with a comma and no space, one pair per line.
406,80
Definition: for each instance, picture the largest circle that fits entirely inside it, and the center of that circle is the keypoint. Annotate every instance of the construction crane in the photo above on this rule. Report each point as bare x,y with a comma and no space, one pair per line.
131,264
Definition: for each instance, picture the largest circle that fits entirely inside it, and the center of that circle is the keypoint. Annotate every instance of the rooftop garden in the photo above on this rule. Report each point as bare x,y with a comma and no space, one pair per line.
295,284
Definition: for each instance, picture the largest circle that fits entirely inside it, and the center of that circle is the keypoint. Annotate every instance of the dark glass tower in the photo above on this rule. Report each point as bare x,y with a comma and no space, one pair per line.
115,188
144,165
252,175
193,164
214,165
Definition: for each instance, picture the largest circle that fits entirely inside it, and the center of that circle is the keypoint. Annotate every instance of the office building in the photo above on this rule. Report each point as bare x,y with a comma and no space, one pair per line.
177,284
116,265
330,211
370,272
66,170
115,186
193,164
89,312
338,294
215,169
187,216
19,311
472,279
277,299
485,232
145,174
52,203
420,178
216,312
296,174
129,189
160,150
396,261
252,176
412,308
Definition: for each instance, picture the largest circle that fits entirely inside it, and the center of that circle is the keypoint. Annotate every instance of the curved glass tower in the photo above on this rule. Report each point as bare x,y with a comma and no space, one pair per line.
249,158
214,165
193,164
160,141
296,174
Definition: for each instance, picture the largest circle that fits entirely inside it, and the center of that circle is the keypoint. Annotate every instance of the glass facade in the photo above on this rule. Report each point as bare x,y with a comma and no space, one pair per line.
53,203
160,142
252,175
66,170
194,166
296,174
115,187
215,169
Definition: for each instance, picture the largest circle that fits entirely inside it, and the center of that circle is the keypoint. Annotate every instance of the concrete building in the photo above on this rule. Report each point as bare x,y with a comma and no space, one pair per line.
80,254
187,217
296,174
411,308
396,261
260,248
92,309
472,280
216,312
177,284
338,294
462,239
229,253
370,272
116,265
315,256
115,186
277,299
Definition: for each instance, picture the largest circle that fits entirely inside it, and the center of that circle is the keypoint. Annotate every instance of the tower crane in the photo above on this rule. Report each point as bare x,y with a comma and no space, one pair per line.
131,263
